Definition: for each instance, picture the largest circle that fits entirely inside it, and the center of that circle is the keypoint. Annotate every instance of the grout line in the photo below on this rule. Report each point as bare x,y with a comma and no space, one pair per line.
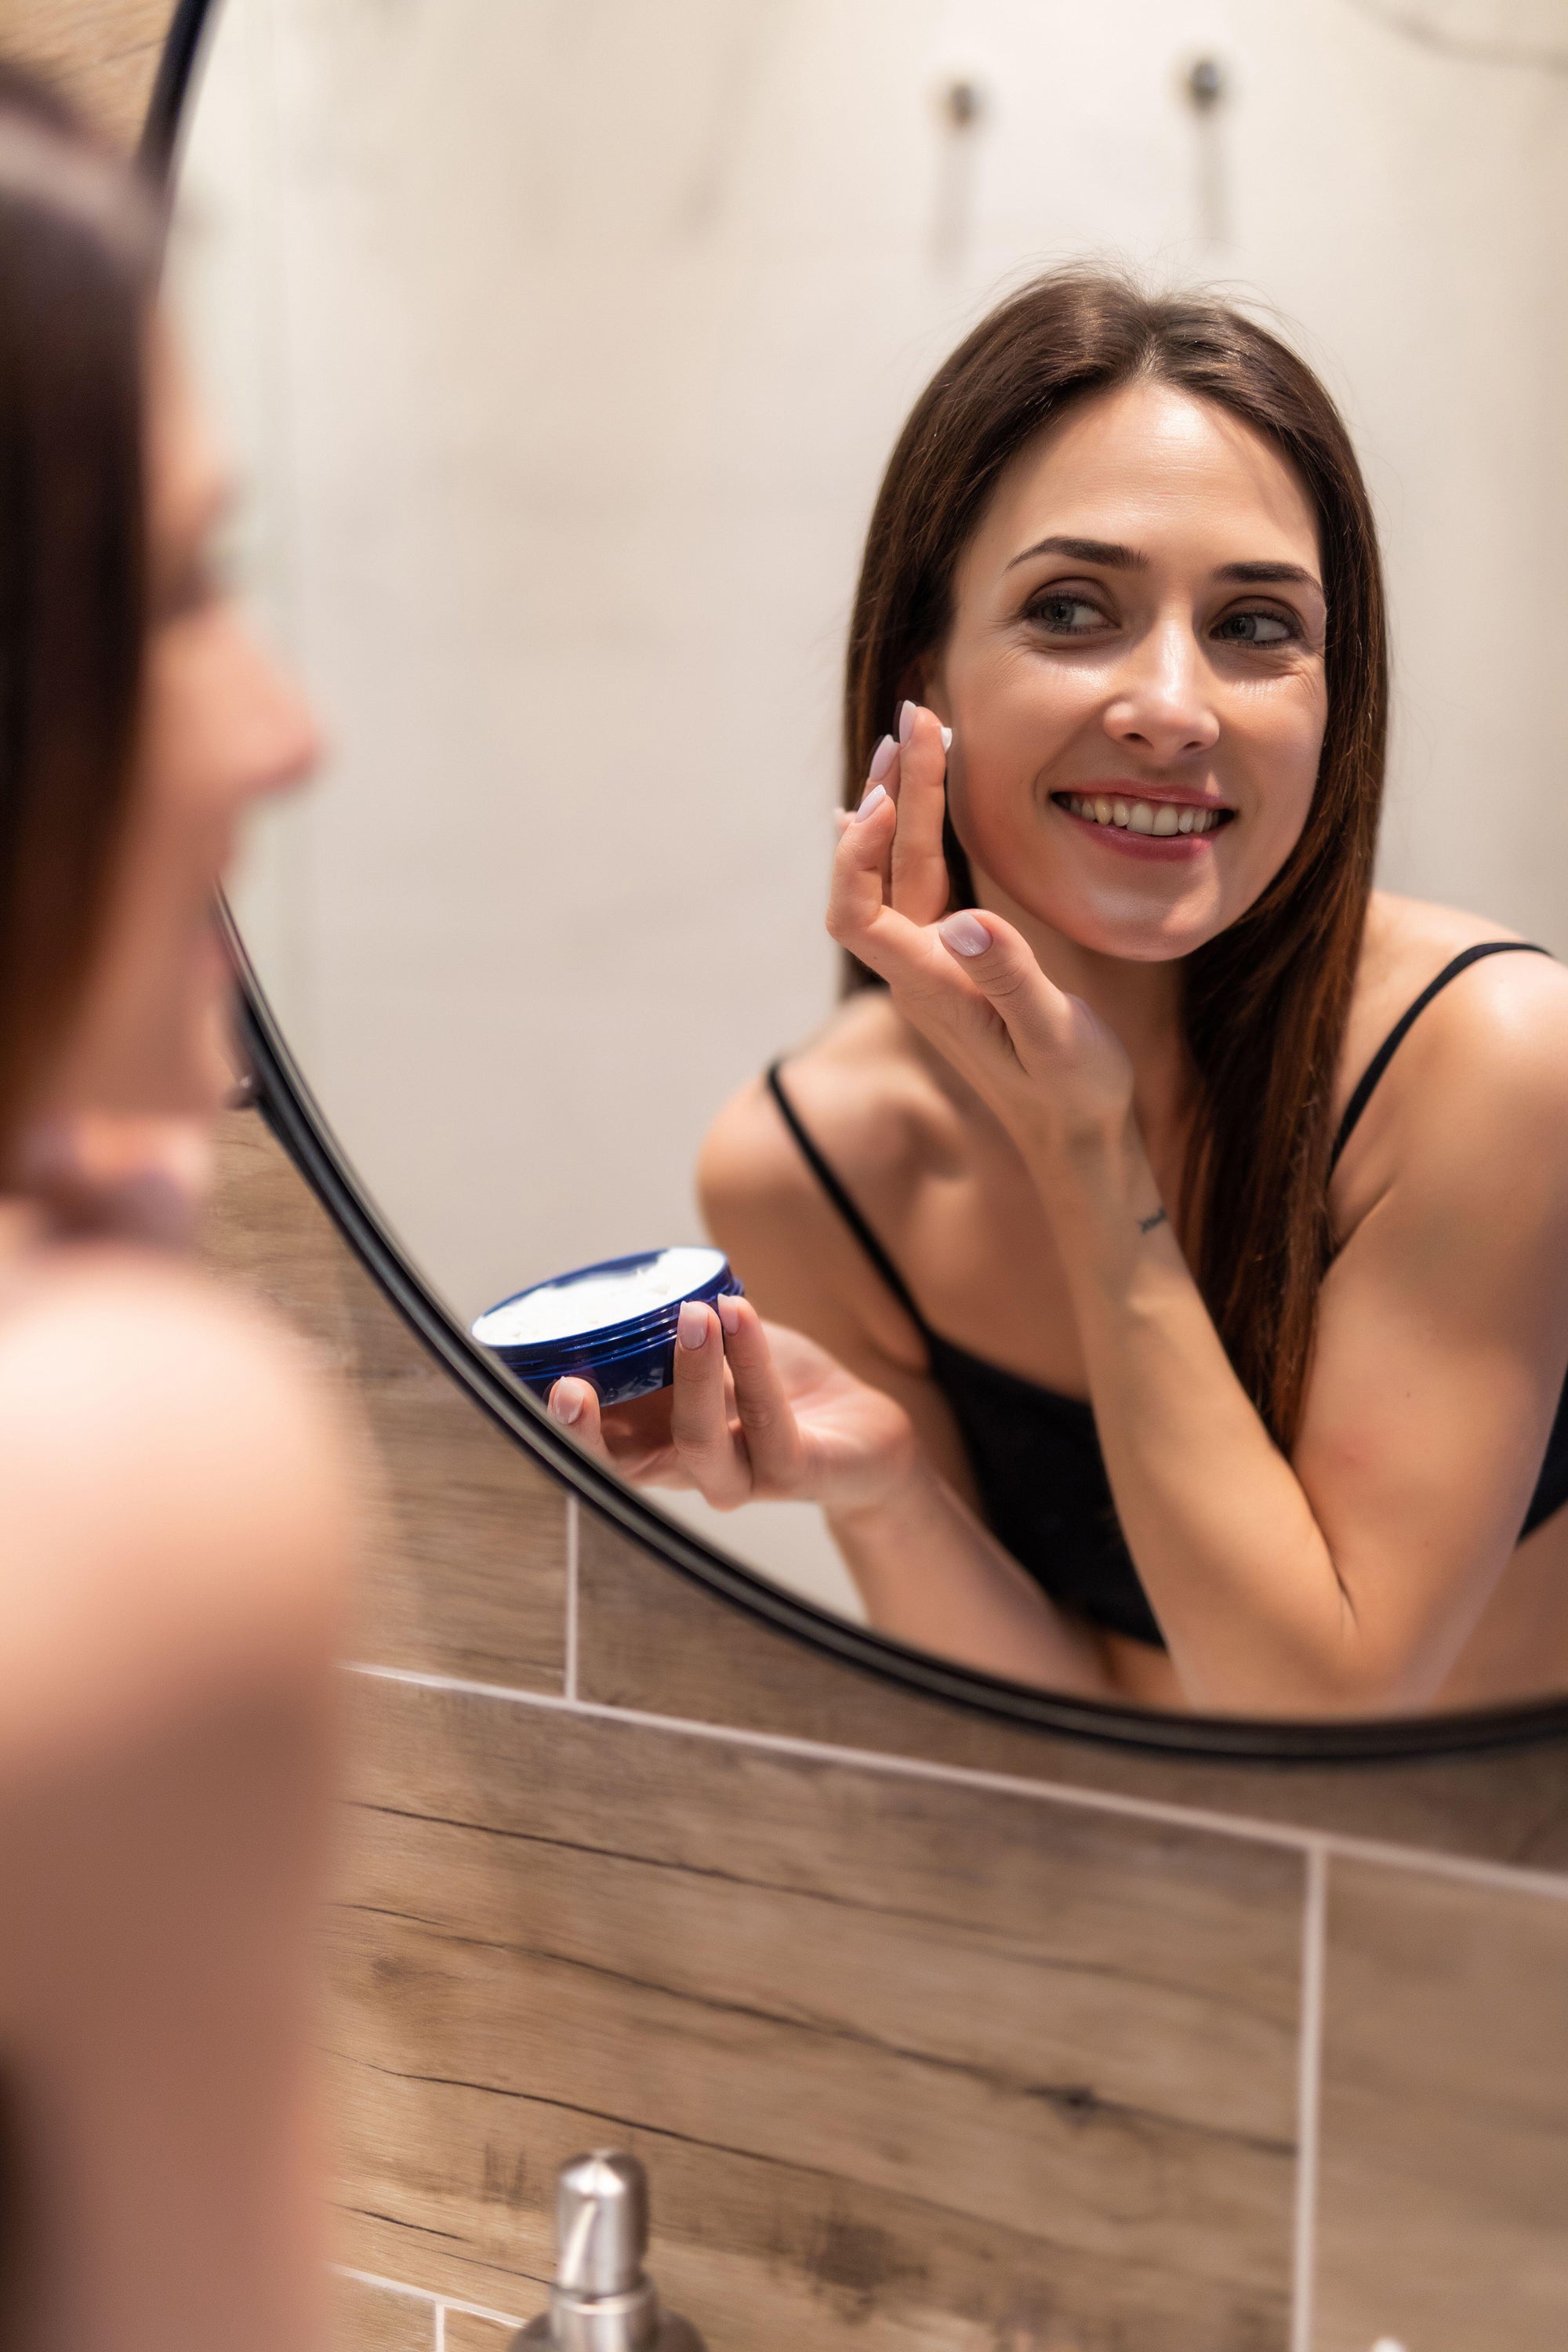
388,2286
478,2310
917,1768
440,2343
573,1522
1314,1941
1502,1878
440,2303
1506,1876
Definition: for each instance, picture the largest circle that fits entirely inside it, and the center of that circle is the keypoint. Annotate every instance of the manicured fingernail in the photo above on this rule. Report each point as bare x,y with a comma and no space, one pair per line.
966,935
908,714
882,758
691,1324
947,739
870,804
729,1307
566,1405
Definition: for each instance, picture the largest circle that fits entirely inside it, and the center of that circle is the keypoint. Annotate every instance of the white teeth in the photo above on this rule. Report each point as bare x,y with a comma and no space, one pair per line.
1161,818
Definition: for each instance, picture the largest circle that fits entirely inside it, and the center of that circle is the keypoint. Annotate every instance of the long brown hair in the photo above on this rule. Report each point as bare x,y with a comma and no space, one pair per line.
1265,1002
78,239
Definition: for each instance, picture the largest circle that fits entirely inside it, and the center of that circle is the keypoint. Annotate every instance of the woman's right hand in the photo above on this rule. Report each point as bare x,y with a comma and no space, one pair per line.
755,1412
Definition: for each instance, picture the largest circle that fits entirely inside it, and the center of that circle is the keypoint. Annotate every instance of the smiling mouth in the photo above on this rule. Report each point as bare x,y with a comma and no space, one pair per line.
1158,820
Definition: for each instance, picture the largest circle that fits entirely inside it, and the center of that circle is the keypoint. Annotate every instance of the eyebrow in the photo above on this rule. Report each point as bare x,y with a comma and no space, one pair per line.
1103,552
1111,556
1259,575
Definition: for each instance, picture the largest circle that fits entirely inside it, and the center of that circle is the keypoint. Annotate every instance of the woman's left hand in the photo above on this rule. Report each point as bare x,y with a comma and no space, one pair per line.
1048,1067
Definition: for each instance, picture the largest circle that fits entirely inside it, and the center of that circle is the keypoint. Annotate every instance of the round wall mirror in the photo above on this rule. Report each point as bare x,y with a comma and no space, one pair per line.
561,351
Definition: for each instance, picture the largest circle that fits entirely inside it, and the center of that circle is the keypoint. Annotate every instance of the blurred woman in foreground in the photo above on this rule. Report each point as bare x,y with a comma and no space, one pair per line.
176,1510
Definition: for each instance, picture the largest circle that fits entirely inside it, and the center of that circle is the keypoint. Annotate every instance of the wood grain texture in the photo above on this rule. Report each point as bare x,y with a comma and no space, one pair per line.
1443,2192
909,2065
662,1643
465,2333
104,52
374,2319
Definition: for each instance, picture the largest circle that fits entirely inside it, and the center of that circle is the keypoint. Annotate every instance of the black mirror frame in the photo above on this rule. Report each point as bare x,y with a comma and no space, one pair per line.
285,1101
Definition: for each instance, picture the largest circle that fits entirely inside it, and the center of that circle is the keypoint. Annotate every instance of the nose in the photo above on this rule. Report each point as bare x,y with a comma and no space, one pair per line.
1163,703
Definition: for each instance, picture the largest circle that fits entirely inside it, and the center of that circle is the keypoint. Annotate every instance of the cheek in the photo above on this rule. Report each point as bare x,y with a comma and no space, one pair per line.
1283,752
1013,716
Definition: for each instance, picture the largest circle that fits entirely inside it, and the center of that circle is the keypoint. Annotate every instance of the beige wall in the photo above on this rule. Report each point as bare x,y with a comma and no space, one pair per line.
565,343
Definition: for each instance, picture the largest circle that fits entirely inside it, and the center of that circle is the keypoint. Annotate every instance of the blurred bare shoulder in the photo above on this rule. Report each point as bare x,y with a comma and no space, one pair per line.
858,1092
181,1488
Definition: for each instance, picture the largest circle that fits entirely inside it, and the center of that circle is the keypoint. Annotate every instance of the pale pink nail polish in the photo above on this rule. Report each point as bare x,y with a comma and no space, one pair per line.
908,714
870,804
882,758
966,935
947,739
729,1307
565,1406
691,1324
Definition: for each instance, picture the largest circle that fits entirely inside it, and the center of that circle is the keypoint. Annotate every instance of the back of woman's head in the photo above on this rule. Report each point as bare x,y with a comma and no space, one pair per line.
1266,1001
79,247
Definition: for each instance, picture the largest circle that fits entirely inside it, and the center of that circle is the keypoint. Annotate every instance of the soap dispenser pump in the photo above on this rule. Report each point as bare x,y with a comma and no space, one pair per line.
602,2301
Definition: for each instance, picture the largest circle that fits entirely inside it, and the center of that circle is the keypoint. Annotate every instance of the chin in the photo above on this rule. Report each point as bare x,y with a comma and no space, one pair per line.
194,1075
1135,934
215,1068
1134,923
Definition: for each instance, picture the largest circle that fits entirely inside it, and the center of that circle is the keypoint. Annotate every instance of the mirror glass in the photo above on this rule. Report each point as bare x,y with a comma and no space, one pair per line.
561,346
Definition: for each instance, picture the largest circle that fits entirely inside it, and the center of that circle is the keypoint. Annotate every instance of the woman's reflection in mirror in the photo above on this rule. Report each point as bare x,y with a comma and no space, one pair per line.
1146,1325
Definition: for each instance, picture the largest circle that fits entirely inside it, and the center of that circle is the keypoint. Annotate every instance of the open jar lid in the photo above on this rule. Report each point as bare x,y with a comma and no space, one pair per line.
611,1324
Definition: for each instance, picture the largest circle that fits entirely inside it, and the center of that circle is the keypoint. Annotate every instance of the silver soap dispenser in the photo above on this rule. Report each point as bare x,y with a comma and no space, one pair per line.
601,2301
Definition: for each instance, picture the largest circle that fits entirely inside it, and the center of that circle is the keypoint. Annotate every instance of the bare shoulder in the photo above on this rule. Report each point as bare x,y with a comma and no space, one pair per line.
859,1096
849,1085
177,1478
1485,1067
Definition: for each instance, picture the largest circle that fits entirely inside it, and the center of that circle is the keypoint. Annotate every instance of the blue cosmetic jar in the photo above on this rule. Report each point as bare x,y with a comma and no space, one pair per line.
611,1324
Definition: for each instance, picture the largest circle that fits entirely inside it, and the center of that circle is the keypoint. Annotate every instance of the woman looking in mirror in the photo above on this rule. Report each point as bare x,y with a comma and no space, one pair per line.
177,1502
1154,1329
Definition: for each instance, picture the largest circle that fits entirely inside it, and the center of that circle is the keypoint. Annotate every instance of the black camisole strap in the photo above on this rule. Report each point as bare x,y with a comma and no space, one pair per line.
1396,1036
844,1204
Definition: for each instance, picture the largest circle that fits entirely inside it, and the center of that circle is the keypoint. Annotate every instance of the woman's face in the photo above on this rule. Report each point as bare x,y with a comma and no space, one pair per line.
1134,676
220,730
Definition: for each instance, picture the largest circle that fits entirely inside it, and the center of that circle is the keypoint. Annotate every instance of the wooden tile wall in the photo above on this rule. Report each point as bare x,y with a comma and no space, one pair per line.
1443,2192
378,2319
465,2333
936,2036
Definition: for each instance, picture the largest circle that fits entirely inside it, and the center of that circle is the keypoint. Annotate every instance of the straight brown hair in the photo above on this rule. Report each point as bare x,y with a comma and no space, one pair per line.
1265,1002
78,256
